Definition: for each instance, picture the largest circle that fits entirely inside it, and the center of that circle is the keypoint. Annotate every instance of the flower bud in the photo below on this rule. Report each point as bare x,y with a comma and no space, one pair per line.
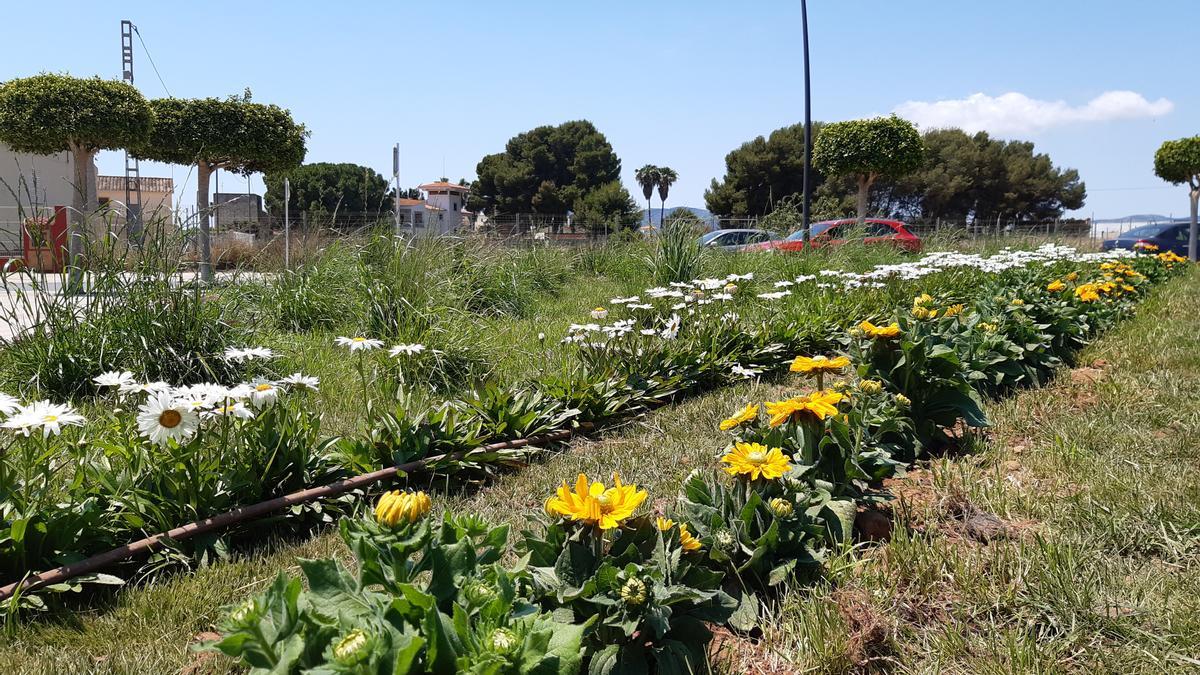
397,507
634,592
352,649
903,401
870,386
478,593
504,640
724,540
782,508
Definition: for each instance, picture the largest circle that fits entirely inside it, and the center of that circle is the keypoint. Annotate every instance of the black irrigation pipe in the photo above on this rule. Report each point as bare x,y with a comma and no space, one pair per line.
241,514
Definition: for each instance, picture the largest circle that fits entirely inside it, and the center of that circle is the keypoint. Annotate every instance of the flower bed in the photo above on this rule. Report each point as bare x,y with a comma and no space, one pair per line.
74,490
602,586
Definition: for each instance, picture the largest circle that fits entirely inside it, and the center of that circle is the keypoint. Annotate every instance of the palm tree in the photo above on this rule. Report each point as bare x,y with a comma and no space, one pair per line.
647,177
666,178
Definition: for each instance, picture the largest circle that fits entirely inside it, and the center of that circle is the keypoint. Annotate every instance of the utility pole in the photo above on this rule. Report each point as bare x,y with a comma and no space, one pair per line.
804,217
133,179
287,224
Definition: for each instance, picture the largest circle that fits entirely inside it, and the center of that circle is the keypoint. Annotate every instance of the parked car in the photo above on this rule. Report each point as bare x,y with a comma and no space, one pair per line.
837,232
735,240
1166,236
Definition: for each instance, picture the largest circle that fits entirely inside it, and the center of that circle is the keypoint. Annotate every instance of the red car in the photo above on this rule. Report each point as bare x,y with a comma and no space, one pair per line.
836,232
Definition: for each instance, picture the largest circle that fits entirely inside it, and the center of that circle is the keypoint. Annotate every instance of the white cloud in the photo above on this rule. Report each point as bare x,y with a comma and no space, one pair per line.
1016,113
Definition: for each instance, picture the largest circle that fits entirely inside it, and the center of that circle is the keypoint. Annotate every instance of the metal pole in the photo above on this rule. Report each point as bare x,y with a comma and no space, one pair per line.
396,178
807,121
287,225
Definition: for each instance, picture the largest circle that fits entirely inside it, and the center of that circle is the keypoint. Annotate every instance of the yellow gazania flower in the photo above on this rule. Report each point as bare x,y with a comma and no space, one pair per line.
1108,266
871,330
819,404
922,300
1170,257
1072,276
747,414
399,506
921,312
1087,292
1056,286
1106,287
987,327
818,364
755,460
686,539
1128,289
593,504
1145,246
1017,302
953,310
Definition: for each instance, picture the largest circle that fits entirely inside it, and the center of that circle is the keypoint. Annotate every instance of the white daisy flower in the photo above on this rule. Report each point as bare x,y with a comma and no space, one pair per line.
599,313
248,353
740,277
263,393
8,404
406,350
648,331
359,343
113,378
671,331
744,372
51,417
301,381
133,388
625,301
640,306
774,296
163,419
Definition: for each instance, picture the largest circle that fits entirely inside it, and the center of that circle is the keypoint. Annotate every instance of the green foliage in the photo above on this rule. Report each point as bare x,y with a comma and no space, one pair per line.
678,254
546,170
882,146
609,203
233,134
643,599
1178,161
49,113
761,172
429,597
328,188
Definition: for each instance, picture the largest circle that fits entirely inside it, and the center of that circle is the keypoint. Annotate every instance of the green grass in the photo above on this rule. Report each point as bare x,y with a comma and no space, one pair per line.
1090,476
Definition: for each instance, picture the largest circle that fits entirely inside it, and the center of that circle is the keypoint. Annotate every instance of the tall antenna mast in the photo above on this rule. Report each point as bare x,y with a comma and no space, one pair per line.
133,179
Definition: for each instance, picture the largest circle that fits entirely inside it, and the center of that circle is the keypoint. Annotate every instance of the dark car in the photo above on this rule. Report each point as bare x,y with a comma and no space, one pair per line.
1165,236
836,232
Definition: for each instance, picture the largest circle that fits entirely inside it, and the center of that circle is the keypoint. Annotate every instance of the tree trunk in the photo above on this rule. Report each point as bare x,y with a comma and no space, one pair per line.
82,207
203,173
864,191
1195,195
649,213
662,210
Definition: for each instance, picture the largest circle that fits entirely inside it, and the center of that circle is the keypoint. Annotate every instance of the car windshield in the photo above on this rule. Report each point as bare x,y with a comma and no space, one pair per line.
705,238
817,229
1145,231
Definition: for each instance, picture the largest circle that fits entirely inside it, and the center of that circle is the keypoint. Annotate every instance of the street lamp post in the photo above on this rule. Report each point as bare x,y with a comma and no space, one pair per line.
807,123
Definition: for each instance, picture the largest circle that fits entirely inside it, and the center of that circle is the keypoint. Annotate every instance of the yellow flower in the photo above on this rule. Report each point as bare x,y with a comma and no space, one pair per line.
1128,289
593,504
953,310
1145,246
755,460
633,592
1017,302
1087,292
1056,286
1170,257
922,300
874,331
903,401
747,414
819,404
399,506
920,312
987,327
818,364
1072,276
686,539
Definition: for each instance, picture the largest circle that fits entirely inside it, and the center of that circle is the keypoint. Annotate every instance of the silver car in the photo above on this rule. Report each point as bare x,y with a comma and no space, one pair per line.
734,240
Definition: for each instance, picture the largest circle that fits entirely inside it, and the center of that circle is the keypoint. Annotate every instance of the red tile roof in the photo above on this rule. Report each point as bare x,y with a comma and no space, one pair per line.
443,185
117,183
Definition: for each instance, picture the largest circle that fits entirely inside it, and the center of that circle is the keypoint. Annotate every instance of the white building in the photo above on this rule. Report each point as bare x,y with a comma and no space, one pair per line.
442,211
33,184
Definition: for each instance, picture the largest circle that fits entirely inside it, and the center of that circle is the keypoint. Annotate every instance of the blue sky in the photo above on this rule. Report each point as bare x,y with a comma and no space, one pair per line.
674,82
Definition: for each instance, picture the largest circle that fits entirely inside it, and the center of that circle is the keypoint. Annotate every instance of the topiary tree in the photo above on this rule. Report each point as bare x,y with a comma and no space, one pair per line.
867,149
233,134
46,114
1178,162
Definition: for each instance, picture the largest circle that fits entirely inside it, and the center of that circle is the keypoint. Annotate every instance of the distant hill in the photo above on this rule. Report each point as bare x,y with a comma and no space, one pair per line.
702,214
1136,218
